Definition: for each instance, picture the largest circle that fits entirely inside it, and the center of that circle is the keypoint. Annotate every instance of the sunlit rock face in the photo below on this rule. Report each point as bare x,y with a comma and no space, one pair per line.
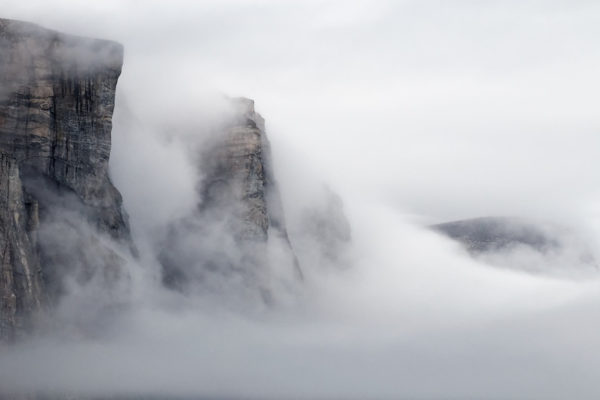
521,244
56,102
238,232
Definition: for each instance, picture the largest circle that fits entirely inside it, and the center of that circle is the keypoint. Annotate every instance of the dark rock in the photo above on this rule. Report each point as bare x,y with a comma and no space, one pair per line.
522,244
55,113
20,273
56,101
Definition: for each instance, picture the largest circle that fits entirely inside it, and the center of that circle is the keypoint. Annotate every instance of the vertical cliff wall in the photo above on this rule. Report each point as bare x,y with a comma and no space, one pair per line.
238,232
56,102
239,179
61,216
56,105
20,273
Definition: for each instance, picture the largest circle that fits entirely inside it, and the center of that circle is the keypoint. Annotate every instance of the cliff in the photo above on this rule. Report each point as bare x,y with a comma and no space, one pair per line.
56,101
238,230
239,179
62,220
56,107
20,279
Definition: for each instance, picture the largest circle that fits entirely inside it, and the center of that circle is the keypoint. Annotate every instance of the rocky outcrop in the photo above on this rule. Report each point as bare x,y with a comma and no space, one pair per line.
239,182
240,219
494,233
62,220
523,244
20,273
56,102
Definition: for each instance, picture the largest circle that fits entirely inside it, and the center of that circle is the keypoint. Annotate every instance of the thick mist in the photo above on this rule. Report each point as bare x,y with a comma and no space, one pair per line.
384,117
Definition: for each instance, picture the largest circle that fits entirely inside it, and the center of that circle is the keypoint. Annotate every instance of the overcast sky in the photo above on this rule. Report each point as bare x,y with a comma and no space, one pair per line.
448,109
415,112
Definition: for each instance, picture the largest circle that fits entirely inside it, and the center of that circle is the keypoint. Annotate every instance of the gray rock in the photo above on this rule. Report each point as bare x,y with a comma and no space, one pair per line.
518,243
496,233
56,102
20,272
55,113
239,214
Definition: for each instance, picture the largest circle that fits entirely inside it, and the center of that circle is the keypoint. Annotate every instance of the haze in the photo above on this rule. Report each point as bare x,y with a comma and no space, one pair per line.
413,112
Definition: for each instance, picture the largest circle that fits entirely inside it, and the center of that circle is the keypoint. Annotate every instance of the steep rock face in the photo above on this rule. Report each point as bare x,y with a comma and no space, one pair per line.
56,102
239,179
56,105
239,227
20,274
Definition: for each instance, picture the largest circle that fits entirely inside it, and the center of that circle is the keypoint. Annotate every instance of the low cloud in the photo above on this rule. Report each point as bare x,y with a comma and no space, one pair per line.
412,113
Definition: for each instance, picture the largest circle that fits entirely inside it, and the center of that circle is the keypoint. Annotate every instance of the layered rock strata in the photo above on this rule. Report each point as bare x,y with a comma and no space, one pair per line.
20,272
239,180
239,221
57,97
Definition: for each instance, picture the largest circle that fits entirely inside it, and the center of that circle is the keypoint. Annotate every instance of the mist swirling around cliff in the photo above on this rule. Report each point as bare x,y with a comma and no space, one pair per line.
384,120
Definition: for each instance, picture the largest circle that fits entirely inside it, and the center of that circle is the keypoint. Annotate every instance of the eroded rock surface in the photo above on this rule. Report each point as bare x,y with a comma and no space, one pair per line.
239,180
57,97
20,274
56,105
238,230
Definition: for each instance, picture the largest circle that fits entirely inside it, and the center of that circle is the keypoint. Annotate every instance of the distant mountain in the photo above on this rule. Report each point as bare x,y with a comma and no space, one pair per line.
523,244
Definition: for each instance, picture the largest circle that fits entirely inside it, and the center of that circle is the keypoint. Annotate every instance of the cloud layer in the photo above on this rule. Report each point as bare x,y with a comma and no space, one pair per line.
415,113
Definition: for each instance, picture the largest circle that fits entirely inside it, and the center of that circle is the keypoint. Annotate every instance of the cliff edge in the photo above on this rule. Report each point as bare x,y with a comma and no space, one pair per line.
57,96
237,234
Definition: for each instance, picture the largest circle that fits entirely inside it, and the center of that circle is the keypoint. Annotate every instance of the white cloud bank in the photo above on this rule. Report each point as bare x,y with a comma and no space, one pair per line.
415,112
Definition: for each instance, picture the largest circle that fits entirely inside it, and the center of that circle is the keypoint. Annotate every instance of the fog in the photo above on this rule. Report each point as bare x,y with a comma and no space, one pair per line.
413,113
